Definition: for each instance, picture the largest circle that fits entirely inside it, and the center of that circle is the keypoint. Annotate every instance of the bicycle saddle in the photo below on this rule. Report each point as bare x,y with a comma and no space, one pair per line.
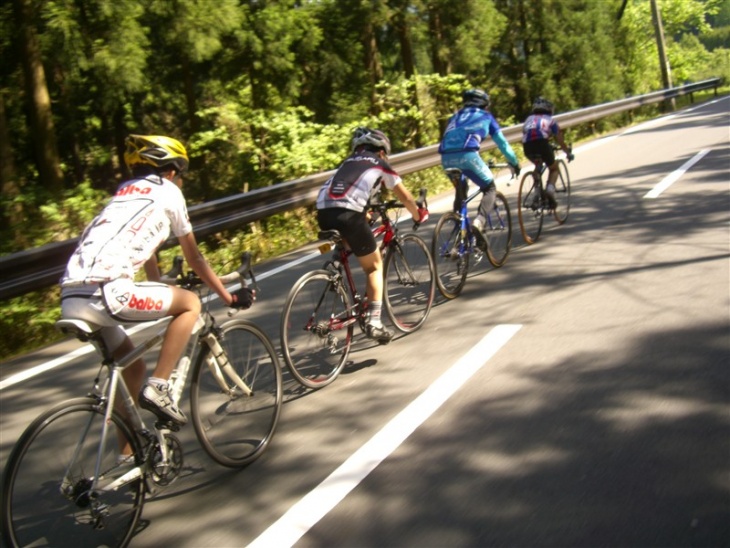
78,328
333,235
453,173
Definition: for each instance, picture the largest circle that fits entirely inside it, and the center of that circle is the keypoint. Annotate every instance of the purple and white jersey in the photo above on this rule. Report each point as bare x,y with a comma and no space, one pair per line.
539,126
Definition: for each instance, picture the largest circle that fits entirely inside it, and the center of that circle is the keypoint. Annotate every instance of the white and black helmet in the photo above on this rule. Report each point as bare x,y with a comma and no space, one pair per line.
542,105
476,98
373,138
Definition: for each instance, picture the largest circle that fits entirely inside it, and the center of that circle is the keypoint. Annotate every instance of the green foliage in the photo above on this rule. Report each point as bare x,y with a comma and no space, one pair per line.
266,92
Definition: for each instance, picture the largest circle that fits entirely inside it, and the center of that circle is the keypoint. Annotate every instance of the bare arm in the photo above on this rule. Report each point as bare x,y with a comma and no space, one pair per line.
201,267
402,193
151,269
561,141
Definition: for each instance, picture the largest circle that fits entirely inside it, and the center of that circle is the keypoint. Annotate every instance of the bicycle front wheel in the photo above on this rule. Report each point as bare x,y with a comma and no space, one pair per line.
529,207
48,496
562,192
316,329
450,255
233,427
409,283
498,232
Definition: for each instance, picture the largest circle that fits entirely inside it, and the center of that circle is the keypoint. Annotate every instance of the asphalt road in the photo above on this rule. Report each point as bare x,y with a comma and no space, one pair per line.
578,396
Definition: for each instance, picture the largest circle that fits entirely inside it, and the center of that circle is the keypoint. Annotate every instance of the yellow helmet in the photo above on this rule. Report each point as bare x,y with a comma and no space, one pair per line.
155,150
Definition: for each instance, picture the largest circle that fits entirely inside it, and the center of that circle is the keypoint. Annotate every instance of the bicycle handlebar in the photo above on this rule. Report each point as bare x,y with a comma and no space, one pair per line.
382,207
175,275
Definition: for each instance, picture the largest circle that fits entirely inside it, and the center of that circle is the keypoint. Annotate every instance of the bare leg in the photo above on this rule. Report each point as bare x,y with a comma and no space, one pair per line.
185,310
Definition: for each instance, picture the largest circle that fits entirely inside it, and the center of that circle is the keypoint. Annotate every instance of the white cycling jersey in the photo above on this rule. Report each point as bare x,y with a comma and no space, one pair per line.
128,231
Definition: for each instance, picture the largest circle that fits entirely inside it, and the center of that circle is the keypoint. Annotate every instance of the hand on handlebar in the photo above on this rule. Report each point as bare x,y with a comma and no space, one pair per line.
422,216
515,169
243,298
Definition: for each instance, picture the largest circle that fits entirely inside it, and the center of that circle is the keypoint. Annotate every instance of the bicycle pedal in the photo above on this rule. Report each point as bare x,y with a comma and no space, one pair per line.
167,425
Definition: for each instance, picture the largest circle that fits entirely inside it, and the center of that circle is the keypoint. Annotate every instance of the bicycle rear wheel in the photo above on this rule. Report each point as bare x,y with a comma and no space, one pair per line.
46,497
450,255
316,329
498,232
235,428
529,207
409,282
562,191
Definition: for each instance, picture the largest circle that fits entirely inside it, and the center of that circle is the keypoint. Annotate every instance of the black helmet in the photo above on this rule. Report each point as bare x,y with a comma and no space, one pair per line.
475,98
374,138
542,105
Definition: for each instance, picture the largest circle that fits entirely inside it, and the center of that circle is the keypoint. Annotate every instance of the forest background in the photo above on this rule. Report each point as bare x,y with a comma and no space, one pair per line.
267,91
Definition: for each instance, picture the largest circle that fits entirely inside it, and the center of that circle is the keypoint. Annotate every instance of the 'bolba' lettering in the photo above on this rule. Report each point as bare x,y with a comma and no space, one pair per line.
144,304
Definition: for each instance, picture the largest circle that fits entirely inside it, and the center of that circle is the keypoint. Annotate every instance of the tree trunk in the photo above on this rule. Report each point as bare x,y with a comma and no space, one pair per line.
41,117
372,58
406,46
441,66
12,215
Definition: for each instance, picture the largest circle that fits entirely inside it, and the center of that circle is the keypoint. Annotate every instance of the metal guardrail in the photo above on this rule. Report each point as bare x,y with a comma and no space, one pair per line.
43,266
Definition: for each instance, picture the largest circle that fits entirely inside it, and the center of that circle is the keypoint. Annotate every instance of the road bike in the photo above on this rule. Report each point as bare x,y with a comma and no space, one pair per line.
324,305
533,204
454,246
66,481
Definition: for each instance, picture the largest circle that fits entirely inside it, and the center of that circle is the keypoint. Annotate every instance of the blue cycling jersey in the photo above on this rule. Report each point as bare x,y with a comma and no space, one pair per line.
466,130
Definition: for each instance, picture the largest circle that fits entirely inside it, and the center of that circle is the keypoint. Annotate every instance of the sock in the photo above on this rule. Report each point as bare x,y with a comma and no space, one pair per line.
159,383
376,308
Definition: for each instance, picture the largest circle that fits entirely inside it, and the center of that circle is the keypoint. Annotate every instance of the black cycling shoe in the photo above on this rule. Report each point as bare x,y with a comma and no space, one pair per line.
381,334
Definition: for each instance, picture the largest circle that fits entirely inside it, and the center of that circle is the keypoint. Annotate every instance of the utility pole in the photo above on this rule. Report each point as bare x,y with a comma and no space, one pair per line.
659,33
656,17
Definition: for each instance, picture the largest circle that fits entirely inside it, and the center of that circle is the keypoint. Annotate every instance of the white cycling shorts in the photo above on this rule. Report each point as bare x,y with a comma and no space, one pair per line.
114,303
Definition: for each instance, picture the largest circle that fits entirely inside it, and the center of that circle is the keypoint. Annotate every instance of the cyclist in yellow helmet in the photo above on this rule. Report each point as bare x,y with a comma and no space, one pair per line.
99,283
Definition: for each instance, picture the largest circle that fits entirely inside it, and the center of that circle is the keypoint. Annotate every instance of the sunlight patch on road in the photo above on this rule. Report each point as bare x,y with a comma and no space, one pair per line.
317,503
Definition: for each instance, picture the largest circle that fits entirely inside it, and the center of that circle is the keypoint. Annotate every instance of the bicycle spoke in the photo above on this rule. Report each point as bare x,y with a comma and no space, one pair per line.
235,426
498,232
530,208
47,497
409,283
450,255
562,191
316,329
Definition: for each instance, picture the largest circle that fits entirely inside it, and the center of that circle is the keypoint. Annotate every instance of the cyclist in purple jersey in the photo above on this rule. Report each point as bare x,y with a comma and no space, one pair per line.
537,131
342,205
459,148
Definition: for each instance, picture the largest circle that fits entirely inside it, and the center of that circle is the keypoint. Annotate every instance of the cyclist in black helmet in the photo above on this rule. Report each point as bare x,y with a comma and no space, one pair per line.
459,148
342,205
537,130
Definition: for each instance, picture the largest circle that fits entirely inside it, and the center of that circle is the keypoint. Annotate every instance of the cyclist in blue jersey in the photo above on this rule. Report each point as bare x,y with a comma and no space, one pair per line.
459,148
537,130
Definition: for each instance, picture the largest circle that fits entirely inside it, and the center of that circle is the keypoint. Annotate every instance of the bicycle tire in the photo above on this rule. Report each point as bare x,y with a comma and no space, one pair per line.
233,428
498,232
409,283
562,191
451,255
530,210
316,329
39,508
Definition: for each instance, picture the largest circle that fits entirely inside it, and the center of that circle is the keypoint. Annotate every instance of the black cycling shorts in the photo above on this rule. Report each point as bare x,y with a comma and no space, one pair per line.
353,226
539,148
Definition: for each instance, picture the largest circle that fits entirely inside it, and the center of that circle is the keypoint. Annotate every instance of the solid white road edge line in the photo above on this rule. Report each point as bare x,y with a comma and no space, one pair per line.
317,503
673,177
